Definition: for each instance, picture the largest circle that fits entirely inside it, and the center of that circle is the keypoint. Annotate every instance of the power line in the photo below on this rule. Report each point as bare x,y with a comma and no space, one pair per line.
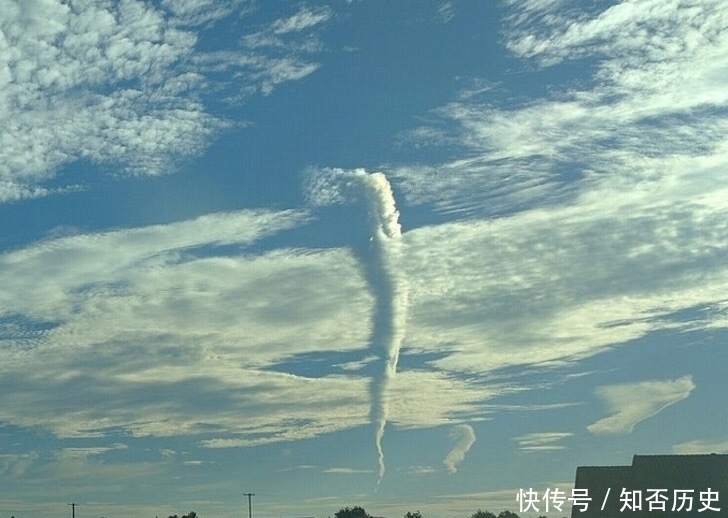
250,505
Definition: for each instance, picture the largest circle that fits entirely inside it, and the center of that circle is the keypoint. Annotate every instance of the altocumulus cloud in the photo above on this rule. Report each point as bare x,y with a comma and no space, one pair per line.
128,81
64,62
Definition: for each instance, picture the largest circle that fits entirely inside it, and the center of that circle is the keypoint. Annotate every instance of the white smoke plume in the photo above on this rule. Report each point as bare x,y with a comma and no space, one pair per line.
464,437
389,286
383,269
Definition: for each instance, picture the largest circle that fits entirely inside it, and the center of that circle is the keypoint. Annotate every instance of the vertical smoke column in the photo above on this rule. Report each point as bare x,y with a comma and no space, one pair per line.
381,262
390,291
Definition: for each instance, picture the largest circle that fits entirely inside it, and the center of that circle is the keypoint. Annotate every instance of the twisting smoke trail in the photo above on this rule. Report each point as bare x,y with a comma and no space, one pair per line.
390,289
382,265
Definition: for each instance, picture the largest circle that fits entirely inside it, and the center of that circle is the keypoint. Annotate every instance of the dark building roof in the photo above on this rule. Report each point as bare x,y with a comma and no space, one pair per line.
626,487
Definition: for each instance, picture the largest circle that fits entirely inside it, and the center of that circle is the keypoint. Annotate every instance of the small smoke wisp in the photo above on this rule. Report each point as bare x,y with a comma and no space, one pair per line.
382,266
464,436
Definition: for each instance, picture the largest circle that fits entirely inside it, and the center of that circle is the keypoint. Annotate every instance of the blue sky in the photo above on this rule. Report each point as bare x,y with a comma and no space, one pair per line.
403,255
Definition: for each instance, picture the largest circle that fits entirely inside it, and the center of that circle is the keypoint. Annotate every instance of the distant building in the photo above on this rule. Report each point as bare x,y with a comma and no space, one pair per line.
664,486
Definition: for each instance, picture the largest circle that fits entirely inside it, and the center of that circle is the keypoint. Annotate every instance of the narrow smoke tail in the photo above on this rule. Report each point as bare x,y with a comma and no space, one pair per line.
378,436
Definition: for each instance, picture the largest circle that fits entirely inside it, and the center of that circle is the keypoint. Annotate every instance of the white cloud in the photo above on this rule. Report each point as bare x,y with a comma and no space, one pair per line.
197,12
279,52
431,398
446,11
82,470
75,266
673,42
122,84
357,365
98,81
543,441
305,18
149,310
700,446
162,335
419,470
656,101
588,218
83,453
347,471
552,286
632,403
464,436
303,467
15,465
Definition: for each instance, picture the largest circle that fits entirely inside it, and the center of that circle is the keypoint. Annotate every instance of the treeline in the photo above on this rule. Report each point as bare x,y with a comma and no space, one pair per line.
359,512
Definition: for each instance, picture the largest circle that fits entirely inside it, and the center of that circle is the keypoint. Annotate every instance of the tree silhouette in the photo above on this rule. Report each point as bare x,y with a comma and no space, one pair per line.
351,512
482,514
416,514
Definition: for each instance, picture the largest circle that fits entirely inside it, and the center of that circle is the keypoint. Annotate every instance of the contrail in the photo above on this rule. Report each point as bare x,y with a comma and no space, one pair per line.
382,265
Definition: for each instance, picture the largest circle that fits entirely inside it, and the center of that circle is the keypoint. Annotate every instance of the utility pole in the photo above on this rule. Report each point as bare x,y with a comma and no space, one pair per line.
73,509
250,505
